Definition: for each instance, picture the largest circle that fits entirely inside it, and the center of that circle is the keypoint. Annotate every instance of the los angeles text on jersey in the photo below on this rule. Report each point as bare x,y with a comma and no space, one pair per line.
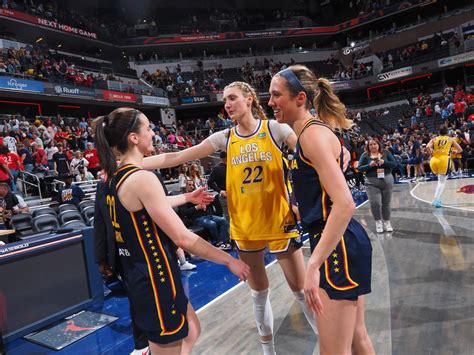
249,153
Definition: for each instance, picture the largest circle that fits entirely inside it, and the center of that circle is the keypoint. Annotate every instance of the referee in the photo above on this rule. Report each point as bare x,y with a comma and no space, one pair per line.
217,181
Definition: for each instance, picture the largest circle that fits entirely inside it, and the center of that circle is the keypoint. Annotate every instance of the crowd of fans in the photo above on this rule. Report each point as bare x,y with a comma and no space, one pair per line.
407,141
34,62
175,84
409,54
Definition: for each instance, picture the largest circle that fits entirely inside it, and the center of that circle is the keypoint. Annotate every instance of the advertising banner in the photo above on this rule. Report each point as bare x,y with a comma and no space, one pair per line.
9,83
456,59
394,74
343,85
119,96
73,90
46,23
194,99
154,100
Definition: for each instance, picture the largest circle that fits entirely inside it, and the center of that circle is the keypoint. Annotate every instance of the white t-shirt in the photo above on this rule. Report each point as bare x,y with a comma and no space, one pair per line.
280,131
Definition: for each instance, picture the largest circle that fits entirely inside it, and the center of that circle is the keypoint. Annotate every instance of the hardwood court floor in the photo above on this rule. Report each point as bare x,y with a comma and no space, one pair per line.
423,289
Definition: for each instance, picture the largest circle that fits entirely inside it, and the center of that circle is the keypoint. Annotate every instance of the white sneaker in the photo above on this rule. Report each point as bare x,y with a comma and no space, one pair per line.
387,226
379,226
187,266
143,351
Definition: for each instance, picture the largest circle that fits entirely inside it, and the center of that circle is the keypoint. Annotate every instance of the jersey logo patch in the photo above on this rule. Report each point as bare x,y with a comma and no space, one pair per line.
262,135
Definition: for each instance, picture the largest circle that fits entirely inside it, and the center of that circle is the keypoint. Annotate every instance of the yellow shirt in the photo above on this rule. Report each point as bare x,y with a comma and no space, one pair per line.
258,198
441,147
456,155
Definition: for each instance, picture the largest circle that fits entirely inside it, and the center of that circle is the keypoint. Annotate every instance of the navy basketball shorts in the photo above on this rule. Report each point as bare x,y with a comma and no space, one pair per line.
346,273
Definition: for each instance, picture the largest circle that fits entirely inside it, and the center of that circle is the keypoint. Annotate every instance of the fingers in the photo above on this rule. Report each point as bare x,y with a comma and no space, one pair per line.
313,300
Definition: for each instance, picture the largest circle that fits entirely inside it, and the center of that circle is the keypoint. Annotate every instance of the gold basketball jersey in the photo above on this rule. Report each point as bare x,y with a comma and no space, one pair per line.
456,155
441,147
258,198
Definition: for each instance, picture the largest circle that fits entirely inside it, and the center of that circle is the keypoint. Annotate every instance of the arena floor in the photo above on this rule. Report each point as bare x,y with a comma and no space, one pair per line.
422,300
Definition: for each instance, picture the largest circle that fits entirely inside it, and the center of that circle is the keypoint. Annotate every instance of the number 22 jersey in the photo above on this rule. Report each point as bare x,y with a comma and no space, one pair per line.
258,198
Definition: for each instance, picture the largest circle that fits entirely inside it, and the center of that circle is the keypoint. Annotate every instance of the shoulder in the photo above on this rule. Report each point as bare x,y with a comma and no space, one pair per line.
279,128
319,138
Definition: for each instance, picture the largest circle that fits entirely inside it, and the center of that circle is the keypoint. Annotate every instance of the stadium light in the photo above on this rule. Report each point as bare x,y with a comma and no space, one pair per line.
353,44
39,40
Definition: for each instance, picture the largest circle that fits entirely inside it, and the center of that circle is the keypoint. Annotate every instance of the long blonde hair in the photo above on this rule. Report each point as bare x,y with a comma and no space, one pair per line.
247,90
321,96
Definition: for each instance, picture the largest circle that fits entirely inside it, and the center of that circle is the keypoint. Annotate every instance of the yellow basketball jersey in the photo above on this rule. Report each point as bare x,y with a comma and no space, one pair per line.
258,199
456,155
441,147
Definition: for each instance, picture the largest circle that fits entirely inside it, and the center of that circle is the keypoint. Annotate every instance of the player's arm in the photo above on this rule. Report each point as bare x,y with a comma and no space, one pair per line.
429,146
322,147
198,197
168,160
291,141
456,145
146,187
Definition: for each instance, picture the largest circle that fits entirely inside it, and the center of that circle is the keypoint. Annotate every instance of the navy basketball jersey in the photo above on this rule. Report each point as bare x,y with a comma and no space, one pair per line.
346,273
148,258
314,203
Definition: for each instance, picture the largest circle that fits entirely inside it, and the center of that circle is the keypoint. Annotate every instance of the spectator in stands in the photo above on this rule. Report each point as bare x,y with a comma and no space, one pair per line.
197,175
217,178
70,193
78,161
93,158
10,141
61,162
25,155
9,203
217,181
183,177
377,164
210,217
50,150
84,174
14,164
40,158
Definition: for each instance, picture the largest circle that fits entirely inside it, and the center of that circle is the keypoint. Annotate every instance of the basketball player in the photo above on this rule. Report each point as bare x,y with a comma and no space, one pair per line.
147,231
339,269
258,199
440,162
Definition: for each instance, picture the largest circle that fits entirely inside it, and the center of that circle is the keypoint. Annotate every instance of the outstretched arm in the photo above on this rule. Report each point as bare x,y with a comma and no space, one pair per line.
168,160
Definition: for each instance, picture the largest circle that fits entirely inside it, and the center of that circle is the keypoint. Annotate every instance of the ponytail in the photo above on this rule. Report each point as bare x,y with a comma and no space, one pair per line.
319,94
107,158
328,106
111,135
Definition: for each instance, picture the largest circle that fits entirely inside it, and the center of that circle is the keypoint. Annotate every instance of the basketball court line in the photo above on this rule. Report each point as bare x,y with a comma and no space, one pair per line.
412,193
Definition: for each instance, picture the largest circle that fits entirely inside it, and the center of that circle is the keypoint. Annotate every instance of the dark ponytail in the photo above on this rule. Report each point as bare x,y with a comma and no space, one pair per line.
111,133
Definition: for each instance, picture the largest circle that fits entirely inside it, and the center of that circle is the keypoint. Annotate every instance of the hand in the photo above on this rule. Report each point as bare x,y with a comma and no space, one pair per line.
105,269
201,207
311,290
380,162
373,163
239,269
201,196
223,193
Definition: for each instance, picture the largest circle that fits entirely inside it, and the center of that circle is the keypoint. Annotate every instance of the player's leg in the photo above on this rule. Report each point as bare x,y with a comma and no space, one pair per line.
336,325
361,343
193,333
292,264
173,348
258,282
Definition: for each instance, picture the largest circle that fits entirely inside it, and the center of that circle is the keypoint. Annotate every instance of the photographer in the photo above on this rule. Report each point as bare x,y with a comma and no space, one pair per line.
377,164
